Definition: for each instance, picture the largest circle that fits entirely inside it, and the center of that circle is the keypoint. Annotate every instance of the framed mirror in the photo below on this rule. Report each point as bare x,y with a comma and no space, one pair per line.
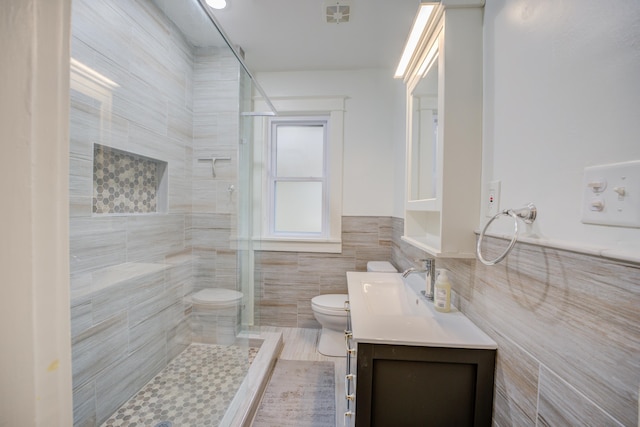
424,131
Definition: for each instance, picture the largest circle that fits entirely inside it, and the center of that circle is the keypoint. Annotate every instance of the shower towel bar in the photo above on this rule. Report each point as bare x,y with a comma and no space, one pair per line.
213,162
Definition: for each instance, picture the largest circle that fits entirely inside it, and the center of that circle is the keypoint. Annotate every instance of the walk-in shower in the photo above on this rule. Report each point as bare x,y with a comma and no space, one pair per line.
160,209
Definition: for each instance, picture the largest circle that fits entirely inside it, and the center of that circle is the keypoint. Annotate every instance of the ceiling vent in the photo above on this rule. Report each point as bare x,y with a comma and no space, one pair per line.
337,12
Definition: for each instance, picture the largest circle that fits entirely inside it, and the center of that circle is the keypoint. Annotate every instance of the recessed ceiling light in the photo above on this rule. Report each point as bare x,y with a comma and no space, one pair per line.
217,4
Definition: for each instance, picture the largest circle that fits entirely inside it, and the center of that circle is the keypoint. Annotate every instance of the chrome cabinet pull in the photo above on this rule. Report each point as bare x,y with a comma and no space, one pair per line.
348,416
348,335
347,308
348,379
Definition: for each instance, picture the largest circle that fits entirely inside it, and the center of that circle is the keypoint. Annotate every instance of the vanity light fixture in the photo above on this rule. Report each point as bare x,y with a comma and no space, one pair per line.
217,4
419,24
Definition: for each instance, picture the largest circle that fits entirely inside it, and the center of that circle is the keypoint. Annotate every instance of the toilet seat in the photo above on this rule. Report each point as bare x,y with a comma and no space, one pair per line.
331,304
216,297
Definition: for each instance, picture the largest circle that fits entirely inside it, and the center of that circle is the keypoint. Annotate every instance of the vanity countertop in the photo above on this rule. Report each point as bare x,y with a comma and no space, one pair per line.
387,309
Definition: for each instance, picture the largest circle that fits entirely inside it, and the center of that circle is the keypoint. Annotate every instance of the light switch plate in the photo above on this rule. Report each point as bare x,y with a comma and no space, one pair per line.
611,194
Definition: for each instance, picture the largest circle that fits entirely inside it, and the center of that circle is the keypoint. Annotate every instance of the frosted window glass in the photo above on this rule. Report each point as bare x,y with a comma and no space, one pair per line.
300,151
298,207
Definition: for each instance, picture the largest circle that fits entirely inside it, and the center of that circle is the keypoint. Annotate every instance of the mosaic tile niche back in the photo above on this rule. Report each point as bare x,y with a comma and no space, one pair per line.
124,183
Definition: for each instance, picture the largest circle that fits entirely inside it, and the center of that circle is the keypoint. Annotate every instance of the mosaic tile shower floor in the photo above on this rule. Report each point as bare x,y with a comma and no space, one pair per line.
195,389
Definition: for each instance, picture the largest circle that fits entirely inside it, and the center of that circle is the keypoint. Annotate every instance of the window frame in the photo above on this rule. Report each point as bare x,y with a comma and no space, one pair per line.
333,109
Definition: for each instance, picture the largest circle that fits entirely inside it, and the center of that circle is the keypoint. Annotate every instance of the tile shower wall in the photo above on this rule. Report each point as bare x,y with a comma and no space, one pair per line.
214,218
286,281
215,135
132,89
567,327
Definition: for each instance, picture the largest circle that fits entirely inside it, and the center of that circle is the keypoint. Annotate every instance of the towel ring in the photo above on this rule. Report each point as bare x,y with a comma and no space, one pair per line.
527,215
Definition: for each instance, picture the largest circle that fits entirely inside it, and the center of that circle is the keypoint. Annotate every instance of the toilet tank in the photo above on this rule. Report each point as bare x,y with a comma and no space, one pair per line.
381,267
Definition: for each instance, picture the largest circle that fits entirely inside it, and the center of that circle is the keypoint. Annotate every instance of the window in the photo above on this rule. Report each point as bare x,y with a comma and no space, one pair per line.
301,162
297,178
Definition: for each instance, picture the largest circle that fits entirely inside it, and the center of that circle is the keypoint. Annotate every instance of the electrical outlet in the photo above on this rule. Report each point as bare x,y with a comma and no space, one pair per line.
493,199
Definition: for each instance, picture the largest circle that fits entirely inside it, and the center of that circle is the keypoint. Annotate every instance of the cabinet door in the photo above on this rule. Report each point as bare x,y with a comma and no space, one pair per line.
419,386
444,132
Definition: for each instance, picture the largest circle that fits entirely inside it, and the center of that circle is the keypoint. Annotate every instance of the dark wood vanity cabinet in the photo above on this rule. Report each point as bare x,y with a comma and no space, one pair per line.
406,386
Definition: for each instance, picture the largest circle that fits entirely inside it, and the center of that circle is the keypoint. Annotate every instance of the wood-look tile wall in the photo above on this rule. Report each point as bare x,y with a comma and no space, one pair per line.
567,327
286,281
171,102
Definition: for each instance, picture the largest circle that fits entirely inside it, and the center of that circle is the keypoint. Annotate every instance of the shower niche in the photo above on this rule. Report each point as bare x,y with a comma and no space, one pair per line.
127,183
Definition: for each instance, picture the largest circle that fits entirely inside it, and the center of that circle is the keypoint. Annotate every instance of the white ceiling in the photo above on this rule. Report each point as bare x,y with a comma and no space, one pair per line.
292,35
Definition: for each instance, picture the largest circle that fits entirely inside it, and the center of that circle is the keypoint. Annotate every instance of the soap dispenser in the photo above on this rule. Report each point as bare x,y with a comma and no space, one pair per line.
442,292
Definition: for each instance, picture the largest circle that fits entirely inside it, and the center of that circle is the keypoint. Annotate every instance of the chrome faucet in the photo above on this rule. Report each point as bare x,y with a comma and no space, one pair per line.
430,269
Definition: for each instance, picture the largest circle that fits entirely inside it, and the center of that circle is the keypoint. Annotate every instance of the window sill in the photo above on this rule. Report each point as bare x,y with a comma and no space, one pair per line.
297,245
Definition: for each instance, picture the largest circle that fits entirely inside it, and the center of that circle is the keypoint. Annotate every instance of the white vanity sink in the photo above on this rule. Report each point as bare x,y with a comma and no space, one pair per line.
389,298
385,308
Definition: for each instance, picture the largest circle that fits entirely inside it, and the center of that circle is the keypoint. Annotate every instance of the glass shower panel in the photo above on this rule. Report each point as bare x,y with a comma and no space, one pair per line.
246,228
155,84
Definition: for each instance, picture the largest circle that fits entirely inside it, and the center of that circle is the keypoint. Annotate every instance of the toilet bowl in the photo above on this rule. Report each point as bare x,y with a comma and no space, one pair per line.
329,311
215,316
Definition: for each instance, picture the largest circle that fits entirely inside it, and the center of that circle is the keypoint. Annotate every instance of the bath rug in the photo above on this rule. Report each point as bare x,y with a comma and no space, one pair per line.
299,394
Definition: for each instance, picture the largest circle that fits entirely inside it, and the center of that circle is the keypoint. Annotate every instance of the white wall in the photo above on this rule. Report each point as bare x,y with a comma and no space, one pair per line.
370,135
35,361
561,92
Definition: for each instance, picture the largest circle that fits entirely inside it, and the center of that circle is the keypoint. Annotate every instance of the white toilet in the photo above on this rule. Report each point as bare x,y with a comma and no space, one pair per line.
215,315
329,311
